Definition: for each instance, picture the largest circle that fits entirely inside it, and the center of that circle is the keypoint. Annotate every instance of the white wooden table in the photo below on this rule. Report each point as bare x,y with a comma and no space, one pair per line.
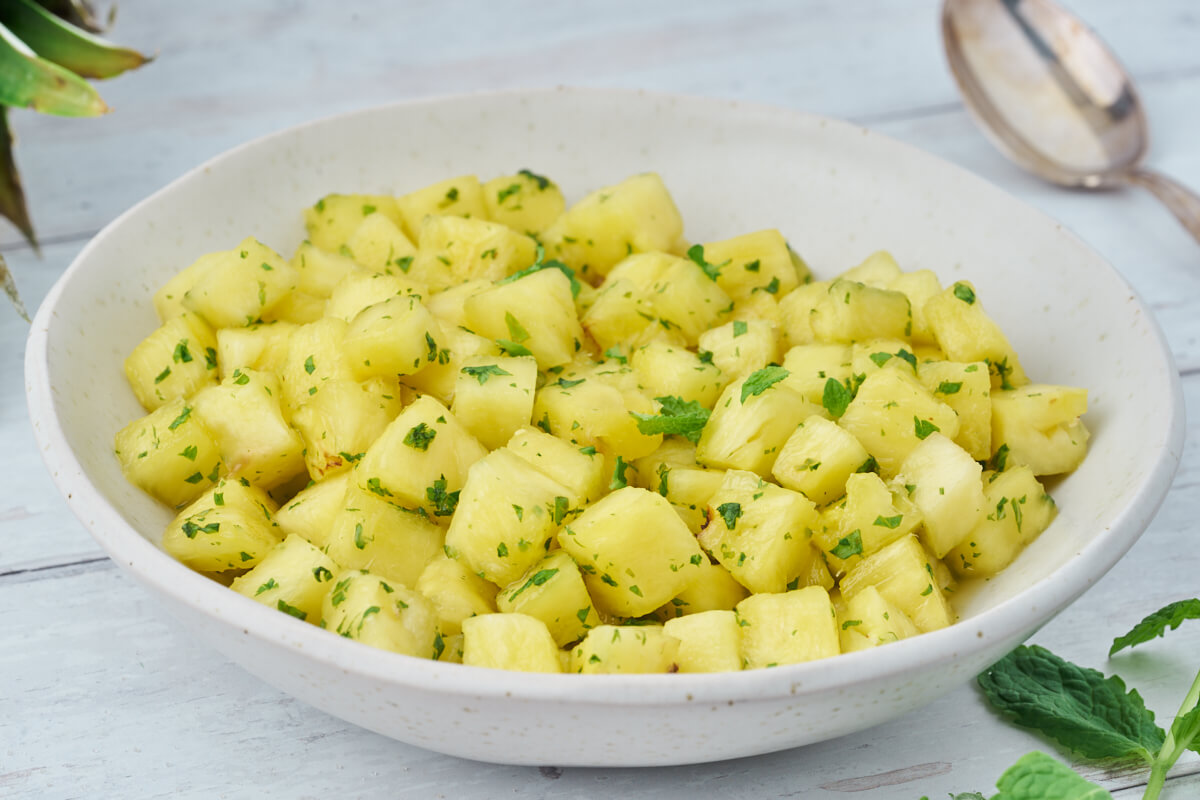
101,695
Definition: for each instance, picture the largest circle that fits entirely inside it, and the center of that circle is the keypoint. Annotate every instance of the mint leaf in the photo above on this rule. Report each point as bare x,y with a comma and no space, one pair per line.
482,373
851,545
538,265
696,254
924,428
1037,776
836,398
1077,707
1156,624
1186,731
730,512
677,416
515,329
763,379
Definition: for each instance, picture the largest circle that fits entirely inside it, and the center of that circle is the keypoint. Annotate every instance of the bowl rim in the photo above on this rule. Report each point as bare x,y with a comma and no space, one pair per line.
1008,620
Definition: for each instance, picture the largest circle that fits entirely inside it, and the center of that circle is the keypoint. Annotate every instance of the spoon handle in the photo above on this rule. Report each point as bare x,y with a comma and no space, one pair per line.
1183,202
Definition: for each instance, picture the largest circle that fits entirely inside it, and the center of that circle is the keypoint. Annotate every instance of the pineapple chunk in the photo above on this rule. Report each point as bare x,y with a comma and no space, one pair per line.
878,270
787,628
615,649
903,573
393,543
747,430
241,286
525,202
380,246
818,458
509,641
741,347
340,422
507,515
332,219
711,589
663,369
710,641
456,593
686,301
754,262
262,346
256,442
892,413
533,315
795,312
457,346
493,396
177,360
310,513
918,286
369,609
449,305
1040,426
293,577
634,216
170,454
314,357
321,271
168,301
870,356
869,620
396,337
810,366
421,459
870,518
229,527
851,312
458,197
553,591
761,306
364,289
298,308
627,572
1018,509
579,469
967,389
760,532
470,249
946,486
592,412
966,333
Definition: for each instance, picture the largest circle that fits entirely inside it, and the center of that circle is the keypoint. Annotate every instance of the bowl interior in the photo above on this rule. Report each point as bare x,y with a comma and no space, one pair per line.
836,191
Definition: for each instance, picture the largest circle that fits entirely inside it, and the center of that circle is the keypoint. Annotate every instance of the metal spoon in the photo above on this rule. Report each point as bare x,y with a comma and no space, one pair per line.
1051,96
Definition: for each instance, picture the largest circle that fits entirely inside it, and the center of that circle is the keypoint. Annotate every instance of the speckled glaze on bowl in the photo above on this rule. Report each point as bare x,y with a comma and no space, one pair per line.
837,192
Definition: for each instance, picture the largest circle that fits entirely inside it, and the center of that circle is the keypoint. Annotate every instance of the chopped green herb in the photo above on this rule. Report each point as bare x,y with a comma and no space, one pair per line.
618,477
484,372
761,380
538,578
964,292
730,513
836,398
924,427
420,436
676,416
848,546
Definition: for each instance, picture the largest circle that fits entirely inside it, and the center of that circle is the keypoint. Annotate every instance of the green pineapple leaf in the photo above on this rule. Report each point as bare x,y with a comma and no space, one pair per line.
65,44
27,81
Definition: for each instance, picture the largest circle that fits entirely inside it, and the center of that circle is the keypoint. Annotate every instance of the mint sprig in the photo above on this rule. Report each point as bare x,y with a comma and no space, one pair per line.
676,416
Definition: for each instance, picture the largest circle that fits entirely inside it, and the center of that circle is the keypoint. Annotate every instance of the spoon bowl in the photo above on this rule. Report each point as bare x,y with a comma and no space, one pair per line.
1051,95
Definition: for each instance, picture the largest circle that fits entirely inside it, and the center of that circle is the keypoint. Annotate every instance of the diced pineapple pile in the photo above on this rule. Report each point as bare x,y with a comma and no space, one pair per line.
470,424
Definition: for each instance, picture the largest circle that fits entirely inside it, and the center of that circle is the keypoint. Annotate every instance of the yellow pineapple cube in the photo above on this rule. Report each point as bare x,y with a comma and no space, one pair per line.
870,518
534,315
634,216
795,312
818,458
332,219
869,620
421,459
760,532
245,417
1040,427
298,308
664,369
263,347
740,347
241,286
686,301
507,515
710,641
903,573
168,301
314,357
380,246
458,197
553,591
592,412
747,429
787,628
293,577
580,469
493,396
449,305
1017,510
878,269
310,513
526,202
966,388
509,641
394,543
369,609
396,337
810,366
918,286
227,528
946,487
712,588
470,249
456,348
628,573
616,649
339,422
177,360
892,413
754,262
321,271
850,312
455,592
170,454
364,289
965,332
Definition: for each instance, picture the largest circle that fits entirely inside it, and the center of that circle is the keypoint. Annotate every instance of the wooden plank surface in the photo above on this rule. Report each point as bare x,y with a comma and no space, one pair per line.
104,697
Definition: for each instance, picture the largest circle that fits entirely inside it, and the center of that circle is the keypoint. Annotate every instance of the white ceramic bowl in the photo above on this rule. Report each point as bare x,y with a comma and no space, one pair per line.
837,191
